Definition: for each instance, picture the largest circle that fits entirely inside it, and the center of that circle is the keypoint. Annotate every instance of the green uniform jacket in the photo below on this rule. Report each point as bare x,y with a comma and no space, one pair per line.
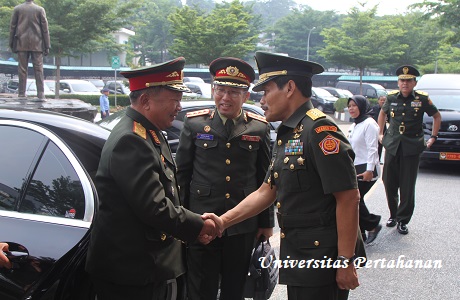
311,160
406,122
135,237
215,172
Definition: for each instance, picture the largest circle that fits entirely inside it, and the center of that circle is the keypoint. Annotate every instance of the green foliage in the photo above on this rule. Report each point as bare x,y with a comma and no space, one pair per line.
203,38
446,12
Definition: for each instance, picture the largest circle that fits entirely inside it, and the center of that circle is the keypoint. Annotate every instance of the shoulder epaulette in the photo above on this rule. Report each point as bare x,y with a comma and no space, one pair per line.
198,113
139,130
393,92
422,93
256,116
315,114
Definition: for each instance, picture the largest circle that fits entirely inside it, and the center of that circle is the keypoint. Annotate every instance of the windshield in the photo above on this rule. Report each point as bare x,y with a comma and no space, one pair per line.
446,99
322,92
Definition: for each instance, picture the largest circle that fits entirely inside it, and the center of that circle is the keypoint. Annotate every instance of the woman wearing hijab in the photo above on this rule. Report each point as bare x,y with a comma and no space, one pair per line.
363,136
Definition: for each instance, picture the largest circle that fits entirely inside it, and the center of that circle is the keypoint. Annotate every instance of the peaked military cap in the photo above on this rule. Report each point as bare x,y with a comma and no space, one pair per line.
272,65
232,72
168,74
407,72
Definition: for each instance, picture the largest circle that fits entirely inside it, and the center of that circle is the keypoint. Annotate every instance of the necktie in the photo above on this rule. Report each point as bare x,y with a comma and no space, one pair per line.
229,126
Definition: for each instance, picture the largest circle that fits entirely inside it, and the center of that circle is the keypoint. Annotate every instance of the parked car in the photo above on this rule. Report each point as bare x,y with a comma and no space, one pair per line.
323,100
47,202
202,89
97,83
369,90
77,86
121,87
31,88
339,93
173,133
193,79
253,95
444,91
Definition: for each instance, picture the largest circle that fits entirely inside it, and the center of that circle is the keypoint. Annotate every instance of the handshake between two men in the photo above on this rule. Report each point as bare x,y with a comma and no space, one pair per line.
213,227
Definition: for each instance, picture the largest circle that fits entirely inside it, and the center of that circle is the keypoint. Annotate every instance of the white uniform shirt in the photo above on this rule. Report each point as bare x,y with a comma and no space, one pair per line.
364,138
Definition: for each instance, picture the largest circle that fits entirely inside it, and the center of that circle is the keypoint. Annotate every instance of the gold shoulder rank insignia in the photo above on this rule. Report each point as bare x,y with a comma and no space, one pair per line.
256,116
139,130
198,113
393,92
315,114
422,93
155,137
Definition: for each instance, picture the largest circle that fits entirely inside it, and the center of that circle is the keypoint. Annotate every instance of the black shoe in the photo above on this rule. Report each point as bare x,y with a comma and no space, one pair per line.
371,235
391,222
402,228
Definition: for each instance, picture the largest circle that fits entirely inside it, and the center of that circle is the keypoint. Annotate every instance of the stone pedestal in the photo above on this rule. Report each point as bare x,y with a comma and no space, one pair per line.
73,107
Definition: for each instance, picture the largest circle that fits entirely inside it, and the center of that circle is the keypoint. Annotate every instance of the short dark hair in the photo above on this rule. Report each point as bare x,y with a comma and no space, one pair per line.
134,95
303,83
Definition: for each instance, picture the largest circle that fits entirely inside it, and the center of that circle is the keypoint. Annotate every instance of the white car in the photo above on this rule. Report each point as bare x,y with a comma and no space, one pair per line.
31,88
77,86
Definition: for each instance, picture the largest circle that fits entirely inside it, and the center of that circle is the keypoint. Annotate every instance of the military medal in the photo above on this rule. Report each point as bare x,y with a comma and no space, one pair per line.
293,147
300,161
207,128
392,114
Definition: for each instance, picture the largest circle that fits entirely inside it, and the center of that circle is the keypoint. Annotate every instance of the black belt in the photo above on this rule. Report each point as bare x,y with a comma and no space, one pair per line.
305,220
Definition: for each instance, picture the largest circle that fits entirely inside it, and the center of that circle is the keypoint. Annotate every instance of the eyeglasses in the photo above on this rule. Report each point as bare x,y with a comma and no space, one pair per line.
233,94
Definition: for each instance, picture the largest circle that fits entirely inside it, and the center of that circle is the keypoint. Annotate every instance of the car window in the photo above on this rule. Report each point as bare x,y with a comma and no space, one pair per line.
16,157
55,189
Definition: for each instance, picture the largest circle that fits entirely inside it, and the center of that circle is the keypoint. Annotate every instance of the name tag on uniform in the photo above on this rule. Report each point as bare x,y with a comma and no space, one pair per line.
250,138
416,104
205,136
394,104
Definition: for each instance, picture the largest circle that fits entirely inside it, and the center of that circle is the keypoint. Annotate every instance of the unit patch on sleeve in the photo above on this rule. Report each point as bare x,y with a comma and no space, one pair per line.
330,145
326,128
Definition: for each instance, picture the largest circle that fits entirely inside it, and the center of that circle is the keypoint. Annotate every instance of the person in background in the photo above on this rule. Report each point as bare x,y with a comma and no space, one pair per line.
223,156
138,235
29,37
363,136
375,114
404,142
104,103
4,261
313,179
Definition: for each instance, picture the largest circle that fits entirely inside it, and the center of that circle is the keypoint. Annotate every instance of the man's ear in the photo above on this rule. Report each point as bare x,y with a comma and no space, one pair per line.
144,101
290,87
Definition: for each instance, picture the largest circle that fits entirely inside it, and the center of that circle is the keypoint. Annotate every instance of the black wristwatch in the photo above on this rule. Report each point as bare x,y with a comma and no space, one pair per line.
435,137
346,260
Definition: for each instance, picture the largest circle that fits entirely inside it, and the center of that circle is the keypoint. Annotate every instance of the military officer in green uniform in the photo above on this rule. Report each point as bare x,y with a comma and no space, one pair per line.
404,142
222,157
138,233
312,178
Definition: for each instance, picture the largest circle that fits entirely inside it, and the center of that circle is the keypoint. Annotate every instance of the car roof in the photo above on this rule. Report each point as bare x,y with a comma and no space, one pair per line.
439,82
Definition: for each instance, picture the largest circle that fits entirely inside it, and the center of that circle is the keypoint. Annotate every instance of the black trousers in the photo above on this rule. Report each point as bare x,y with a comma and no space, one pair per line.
328,292
367,221
400,174
225,258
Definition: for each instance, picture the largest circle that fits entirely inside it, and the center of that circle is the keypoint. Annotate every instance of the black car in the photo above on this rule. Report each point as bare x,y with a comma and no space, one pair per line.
323,100
47,202
444,91
173,132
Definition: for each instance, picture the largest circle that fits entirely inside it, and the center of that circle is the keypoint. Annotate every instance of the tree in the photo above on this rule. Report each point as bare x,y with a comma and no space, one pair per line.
446,12
291,32
362,41
153,30
202,38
